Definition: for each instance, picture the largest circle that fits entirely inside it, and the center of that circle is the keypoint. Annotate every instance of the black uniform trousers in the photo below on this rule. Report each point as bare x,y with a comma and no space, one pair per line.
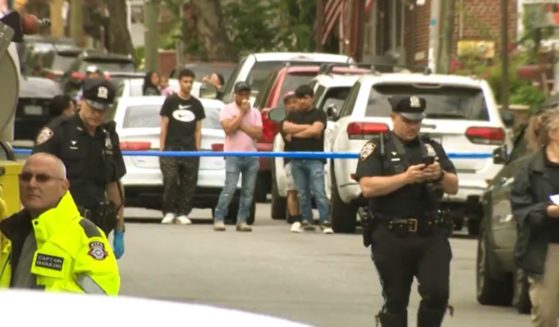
398,259
180,176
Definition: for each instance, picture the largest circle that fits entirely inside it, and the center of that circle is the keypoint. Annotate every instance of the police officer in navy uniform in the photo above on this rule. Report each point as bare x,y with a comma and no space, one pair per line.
89,147
403,176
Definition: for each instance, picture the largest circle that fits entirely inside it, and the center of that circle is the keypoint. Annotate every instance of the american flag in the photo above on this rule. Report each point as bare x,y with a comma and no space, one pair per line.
332,12
337,11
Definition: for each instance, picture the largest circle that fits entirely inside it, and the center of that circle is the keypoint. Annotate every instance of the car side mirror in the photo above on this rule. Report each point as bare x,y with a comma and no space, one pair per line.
208,91
332,112
508,118
277,114
500,155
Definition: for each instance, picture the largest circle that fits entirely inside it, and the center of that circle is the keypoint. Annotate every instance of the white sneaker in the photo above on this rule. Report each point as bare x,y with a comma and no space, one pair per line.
183,220
219,226
328,230
296,227
169,218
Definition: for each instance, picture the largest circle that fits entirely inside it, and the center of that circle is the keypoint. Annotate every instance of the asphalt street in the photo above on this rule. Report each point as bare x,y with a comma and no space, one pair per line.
321,280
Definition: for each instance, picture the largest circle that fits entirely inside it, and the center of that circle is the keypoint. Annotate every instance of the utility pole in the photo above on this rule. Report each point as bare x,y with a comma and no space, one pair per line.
434,35
56,21
446,45
151,36
504,55
76,21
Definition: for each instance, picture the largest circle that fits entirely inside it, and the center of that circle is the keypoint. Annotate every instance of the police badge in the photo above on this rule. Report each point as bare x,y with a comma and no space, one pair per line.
97,250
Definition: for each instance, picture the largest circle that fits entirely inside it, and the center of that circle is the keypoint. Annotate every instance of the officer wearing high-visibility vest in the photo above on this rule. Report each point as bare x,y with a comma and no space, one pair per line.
51,247
404,175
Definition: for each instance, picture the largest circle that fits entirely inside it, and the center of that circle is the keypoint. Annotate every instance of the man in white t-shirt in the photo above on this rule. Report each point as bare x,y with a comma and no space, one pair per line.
243,126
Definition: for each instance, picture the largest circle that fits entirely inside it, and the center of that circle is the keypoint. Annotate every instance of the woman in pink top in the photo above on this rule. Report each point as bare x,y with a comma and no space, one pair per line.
243,126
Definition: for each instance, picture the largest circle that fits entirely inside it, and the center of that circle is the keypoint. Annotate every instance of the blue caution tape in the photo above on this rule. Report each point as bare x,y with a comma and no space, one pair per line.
293,155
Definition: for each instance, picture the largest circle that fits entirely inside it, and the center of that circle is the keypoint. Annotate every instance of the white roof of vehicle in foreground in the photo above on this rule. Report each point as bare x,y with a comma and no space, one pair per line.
408,78
30,308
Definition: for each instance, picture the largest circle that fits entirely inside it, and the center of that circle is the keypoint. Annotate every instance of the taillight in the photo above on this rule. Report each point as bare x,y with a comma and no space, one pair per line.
269,129
486,135
77,76
217,147
135,145
364,130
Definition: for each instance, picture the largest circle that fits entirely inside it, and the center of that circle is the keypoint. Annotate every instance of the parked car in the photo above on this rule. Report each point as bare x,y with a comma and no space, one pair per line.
498,281
55,63
137,120
132,87
34,47
461,114
33,108
113,66
255,68
331,90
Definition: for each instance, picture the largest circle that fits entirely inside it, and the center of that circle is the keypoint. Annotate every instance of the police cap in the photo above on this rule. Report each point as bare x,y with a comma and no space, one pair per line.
409,107
98,94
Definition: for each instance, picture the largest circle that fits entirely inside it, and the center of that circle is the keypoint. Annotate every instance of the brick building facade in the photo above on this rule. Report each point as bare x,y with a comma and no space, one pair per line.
403,28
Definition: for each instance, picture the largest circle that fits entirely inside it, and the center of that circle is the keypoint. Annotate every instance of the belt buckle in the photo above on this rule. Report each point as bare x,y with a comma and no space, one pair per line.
412,225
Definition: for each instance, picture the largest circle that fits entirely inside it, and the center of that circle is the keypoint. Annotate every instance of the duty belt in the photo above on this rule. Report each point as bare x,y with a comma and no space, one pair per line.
423,226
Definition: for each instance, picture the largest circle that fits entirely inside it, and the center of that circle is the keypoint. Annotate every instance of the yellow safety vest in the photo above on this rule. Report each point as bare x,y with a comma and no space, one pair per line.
72,255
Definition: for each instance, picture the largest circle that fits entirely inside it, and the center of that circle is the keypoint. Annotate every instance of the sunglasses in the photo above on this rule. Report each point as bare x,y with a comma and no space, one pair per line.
40,178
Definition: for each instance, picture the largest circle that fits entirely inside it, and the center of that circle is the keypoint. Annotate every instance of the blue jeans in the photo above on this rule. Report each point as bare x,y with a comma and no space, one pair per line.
308,176
235,166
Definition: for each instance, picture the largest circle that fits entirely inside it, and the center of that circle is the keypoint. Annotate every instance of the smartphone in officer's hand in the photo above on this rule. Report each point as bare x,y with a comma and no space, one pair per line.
428,160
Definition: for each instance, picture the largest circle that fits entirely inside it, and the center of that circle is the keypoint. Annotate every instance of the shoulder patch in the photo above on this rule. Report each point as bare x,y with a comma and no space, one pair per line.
367,150
97,250
44,135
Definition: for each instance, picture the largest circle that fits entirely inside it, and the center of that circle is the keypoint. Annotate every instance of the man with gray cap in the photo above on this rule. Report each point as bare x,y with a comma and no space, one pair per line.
88,146
403,176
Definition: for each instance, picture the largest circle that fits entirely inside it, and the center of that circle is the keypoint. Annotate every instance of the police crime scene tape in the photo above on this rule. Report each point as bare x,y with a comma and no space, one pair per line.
269,154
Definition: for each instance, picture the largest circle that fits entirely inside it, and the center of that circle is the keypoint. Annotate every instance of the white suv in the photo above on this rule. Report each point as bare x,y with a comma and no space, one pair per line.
331,91
256,67
461,114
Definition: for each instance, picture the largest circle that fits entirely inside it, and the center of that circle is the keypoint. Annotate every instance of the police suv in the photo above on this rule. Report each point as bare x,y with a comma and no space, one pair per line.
461,114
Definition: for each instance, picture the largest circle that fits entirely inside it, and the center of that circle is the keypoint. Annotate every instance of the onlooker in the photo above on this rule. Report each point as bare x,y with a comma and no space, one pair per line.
291,104
166,90
151,84
51,247
181,130
243,126
62,106
216,80
306,127
537,216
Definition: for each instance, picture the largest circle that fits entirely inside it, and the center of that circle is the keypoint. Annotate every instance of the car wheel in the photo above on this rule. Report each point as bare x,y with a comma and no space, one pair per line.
279,204
473,225
344,216
490,291
260,189
521,298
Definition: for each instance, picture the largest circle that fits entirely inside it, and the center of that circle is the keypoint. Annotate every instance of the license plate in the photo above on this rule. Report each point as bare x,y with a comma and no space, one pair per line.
33,110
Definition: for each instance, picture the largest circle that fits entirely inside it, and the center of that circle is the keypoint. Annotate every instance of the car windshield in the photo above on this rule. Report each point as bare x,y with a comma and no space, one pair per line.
109,66
443,102
147,116
292,81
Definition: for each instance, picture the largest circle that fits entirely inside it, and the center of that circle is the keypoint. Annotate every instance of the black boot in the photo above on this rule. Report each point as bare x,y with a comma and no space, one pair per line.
427,317
393,320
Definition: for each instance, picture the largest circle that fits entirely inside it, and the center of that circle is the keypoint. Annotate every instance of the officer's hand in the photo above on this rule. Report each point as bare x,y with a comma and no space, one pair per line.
433,171
118,243
415,174
288,137
553,211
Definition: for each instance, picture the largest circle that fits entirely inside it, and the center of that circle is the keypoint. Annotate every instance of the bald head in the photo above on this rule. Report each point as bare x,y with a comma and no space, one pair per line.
55,165
42,183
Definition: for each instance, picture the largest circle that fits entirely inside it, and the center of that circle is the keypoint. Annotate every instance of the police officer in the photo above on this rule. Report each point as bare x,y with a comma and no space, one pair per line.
89,147
403,175
51,247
